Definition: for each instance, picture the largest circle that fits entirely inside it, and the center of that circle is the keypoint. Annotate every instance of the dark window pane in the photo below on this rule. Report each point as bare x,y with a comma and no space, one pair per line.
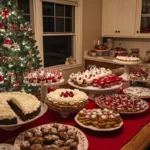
24,5
68,25
68,11
59,24
56,49
48,24
59,10
27,18
48,9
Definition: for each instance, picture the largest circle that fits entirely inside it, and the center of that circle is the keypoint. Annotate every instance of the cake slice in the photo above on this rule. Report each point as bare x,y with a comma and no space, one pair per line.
7,115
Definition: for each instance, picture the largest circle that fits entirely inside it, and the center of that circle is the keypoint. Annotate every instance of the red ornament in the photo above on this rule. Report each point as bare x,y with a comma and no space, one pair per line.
5,13
21,28
7,43
1,79
14,27
29,29
2,27
31,36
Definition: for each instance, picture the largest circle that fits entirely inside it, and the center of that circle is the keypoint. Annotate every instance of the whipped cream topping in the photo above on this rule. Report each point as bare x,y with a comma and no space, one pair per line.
89,75
127,58
55,97
138,92
26,102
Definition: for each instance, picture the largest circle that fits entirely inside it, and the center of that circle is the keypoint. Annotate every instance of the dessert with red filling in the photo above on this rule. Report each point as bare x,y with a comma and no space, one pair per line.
96,77
140,74
122,103
43,76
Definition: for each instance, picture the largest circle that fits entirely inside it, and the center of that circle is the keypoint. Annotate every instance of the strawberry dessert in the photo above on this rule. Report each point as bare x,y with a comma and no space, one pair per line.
43,76
66,98
122,103
96,77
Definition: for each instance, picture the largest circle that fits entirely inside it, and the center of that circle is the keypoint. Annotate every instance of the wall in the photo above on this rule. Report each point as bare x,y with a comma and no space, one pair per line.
91,28
92,16
142,44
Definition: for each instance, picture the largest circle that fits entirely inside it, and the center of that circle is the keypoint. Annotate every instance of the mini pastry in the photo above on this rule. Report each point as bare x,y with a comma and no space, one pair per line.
99,118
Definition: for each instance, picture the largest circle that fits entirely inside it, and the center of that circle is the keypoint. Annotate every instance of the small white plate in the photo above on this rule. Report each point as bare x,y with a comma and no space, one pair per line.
7,147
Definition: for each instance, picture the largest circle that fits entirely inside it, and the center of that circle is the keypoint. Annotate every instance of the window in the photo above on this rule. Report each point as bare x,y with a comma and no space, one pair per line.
27,7
58,32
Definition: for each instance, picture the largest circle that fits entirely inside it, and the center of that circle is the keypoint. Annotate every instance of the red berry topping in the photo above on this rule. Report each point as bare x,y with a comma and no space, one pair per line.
67,94
95,81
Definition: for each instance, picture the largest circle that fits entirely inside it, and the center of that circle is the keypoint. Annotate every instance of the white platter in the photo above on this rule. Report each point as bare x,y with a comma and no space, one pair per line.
101,50
20,122
137,112
96,129
83,142
7,147
140,92
126,63
46,84
92,88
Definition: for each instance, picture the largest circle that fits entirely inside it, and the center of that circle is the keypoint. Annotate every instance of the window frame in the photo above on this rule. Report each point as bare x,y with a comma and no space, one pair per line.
77,36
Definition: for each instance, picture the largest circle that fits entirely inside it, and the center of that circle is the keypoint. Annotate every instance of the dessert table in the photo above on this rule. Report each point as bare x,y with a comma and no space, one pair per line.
97,140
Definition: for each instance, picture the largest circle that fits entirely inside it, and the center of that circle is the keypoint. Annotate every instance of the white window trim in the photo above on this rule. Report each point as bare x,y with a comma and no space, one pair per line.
38,27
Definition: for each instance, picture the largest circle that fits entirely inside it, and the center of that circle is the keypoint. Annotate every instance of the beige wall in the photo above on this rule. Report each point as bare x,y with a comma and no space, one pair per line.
92,12
91,29
142,44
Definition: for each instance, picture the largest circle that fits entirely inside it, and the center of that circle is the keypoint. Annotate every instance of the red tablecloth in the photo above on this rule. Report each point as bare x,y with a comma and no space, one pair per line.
97,140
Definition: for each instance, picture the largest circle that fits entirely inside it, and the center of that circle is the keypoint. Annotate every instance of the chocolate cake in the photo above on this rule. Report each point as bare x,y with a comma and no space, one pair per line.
26,106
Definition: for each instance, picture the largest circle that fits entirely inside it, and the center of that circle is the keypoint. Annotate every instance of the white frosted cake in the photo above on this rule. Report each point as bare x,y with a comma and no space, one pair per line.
127,59
67,97
26,106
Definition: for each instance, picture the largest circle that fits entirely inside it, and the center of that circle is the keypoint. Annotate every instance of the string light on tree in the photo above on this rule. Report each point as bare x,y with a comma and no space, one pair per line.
17,45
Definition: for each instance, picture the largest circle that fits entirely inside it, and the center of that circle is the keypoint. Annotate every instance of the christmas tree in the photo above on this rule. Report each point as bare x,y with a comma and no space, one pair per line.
18,52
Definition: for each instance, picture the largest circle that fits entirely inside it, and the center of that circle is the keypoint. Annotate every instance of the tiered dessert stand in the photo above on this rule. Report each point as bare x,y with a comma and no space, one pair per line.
44,87
127,65
99,52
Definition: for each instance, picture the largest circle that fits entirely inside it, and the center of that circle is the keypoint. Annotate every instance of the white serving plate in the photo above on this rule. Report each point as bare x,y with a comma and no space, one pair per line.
96,129
83,142
137,91
92,88
4,146
21,122
127,63
101,50
137,112
46,84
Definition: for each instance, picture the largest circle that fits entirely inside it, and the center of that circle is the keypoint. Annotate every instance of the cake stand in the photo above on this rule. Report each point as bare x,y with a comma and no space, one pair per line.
101,51
93,91
127,65
11,127
44,87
